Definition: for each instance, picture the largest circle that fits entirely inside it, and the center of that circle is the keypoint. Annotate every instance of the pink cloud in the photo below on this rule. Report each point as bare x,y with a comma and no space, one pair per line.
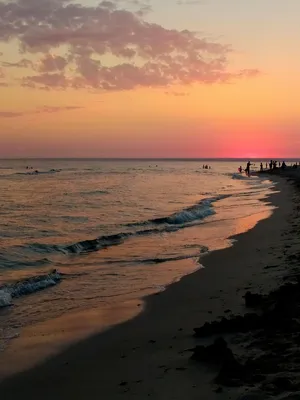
148,54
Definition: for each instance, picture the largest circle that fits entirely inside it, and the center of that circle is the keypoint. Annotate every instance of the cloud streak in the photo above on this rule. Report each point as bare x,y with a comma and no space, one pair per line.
23,63
177,94
77,43
10,114
39,110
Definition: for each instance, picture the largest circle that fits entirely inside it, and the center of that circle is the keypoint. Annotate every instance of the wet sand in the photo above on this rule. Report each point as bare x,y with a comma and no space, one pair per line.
150,355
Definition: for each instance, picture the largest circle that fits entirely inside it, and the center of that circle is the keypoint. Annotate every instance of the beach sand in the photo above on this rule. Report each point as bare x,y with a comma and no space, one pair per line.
149,356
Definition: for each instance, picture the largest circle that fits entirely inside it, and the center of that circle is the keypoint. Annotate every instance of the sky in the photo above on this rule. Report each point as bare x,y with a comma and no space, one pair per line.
149,78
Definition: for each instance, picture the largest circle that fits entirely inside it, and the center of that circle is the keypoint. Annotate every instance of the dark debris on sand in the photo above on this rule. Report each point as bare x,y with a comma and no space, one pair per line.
274,331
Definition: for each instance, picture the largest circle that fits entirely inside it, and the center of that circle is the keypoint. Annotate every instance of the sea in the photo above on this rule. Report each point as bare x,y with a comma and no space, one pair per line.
85,237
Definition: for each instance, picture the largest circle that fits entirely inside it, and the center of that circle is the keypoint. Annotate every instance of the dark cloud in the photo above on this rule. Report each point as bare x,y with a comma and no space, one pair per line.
39,110
52,63
77,43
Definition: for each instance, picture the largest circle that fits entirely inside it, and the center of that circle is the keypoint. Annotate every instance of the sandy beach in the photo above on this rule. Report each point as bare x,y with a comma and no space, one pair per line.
150,355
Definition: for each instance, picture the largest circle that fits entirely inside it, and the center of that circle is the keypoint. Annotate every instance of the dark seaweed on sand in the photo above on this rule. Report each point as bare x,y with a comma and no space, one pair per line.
274,329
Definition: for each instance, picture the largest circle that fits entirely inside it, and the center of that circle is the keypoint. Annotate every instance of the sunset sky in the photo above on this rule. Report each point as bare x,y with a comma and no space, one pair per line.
156,78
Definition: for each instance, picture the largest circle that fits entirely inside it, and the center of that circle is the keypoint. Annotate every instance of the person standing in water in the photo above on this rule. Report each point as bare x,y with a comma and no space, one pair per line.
247,170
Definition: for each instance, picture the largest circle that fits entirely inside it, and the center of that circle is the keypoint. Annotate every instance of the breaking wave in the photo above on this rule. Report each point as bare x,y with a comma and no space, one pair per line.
196,212
27,286
172,223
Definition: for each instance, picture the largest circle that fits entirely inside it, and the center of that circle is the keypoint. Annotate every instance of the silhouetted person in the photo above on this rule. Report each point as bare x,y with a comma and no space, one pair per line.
283,165
271,164
247,170
261,166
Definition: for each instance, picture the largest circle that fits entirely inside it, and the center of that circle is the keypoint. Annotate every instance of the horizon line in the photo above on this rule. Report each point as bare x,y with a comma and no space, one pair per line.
152,158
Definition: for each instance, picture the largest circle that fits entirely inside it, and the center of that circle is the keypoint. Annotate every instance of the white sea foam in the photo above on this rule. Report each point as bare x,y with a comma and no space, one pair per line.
27,286
5,298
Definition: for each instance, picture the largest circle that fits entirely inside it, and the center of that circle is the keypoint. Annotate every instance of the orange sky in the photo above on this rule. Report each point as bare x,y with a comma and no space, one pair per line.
87,81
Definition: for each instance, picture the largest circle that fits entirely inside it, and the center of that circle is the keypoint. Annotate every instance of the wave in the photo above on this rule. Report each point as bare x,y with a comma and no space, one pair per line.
27,286
84,246
5,298
161,260
157,260
237,175
172,223
196,212
87,246
15,263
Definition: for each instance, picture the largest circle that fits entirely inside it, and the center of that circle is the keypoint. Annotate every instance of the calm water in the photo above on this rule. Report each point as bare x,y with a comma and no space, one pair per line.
115,230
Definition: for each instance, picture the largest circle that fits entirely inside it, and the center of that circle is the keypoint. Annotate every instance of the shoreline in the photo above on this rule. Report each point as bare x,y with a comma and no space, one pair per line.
157,332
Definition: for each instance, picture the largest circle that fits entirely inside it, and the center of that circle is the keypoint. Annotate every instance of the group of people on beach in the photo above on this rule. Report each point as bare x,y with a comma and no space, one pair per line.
273,164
